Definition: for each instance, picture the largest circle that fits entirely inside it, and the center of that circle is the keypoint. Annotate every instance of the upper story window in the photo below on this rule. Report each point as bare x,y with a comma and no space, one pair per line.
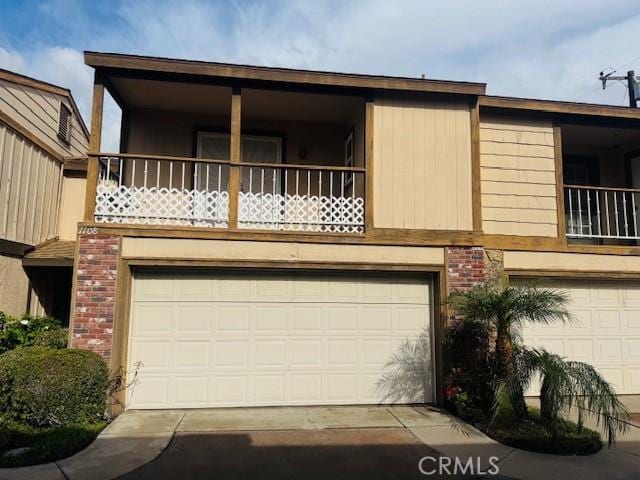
64,123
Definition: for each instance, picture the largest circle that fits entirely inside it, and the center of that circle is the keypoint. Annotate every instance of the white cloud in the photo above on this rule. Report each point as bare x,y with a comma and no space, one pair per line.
543,49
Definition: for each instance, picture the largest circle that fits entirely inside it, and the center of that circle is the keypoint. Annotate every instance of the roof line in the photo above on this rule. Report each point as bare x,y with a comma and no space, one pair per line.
27,81
559,106
277,74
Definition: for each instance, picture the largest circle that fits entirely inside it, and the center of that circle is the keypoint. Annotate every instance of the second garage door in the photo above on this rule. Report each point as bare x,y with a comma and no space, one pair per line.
605,332
209,339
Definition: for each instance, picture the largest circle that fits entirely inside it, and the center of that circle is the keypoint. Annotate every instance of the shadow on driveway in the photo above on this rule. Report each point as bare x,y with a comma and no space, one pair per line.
370,453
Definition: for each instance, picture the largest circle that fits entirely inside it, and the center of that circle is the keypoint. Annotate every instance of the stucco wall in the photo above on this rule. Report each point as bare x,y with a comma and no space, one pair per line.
278,251
71,206
14,286
571,262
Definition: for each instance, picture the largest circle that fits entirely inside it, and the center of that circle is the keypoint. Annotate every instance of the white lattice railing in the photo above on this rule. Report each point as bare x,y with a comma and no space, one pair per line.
144,190
183,191
303,198
601,212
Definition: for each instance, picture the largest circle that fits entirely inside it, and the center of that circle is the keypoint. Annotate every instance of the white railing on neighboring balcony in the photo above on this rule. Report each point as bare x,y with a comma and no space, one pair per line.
602,212
302,198
153,190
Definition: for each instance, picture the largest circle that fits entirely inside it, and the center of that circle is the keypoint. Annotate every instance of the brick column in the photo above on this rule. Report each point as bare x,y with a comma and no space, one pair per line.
95,293
465,268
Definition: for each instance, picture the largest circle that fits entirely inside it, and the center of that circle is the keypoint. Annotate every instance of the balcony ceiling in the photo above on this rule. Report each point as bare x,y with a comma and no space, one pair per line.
598,137
216,100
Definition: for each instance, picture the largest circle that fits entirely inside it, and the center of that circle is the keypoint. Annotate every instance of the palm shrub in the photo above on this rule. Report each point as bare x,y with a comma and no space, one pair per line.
502,312
563,385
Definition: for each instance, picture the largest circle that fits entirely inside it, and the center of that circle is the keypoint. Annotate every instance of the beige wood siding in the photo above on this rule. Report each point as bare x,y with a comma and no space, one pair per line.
38,111
71,206
422,164
518,177
30,187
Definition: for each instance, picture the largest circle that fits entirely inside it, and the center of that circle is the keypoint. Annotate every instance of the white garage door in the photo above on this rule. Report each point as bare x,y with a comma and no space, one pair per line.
605,332
240,339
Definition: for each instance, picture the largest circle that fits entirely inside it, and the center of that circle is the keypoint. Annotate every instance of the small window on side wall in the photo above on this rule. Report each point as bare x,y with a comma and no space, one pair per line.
64,123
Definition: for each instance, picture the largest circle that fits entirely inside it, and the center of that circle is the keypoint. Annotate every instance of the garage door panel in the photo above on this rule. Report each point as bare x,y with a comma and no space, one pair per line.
605,332
608,350
607,322
232,354
271,319
341,320
191,354
191,390
631,350
306,319
193,319
632,379
157,354
153,318
155,287
229,390
275,339
408,319
306,388
376,319
306,354
631,322
233,318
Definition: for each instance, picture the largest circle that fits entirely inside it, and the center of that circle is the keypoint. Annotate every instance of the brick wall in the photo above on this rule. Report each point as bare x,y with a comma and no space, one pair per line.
465,268
95,295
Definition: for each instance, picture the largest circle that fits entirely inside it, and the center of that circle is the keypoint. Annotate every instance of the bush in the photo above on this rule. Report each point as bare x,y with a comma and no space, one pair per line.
55,338
27,330
47,387
531,434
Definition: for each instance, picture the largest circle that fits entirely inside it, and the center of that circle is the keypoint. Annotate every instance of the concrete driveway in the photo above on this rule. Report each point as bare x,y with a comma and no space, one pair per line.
313,443
304,442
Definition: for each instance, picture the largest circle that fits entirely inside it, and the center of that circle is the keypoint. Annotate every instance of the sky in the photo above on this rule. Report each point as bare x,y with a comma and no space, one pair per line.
534,49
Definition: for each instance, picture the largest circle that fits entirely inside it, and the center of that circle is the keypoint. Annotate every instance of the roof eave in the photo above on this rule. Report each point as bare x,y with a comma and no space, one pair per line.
282,75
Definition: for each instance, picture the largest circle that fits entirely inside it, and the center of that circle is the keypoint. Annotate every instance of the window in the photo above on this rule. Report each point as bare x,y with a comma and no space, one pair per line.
254,148
64,123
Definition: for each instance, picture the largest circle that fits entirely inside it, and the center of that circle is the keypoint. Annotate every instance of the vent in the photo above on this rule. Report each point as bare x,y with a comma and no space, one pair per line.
64,123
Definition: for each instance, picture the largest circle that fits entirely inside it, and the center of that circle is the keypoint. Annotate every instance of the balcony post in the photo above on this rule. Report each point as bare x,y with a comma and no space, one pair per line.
93,168
557,145
234,169
368,164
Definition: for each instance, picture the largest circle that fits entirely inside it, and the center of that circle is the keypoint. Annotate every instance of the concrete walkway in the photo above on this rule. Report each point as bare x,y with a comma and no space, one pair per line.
224,440
131,440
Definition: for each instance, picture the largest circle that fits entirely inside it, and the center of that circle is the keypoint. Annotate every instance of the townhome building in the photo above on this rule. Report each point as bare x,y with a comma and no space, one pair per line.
43,147
268,236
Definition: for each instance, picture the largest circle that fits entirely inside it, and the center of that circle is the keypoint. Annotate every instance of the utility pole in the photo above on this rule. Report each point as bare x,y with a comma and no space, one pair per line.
633,85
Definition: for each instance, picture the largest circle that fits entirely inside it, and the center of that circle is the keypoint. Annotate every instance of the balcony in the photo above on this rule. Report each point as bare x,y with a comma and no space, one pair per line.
599,214
199,192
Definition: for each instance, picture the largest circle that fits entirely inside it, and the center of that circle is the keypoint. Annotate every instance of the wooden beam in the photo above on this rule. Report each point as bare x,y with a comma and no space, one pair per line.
557,147
94,146
283,75
476,194
368,164
234,170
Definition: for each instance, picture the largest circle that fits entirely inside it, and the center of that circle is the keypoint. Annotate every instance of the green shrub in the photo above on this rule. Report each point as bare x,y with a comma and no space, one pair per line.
55,338
28,330
47,387
567,438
